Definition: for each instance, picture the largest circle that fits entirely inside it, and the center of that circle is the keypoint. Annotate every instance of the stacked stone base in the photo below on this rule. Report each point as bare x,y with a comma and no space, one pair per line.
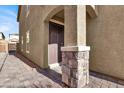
75,68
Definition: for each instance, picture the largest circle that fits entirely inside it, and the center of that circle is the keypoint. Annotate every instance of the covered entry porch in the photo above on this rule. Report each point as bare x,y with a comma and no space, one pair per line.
69,47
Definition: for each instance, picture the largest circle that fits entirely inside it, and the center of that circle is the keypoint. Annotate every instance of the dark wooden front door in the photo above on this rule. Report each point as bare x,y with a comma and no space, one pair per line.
56,41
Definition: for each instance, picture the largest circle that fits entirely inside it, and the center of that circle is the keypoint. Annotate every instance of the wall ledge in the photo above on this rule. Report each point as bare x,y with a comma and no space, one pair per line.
75,48
92,10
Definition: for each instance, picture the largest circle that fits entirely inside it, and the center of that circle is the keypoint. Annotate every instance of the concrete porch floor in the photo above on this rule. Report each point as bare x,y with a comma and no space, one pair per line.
18,72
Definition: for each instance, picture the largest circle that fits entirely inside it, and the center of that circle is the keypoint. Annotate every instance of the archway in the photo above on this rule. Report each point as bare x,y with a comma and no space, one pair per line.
54,20
54,36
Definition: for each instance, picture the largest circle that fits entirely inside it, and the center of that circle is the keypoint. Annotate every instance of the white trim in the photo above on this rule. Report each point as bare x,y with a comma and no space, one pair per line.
54,65
27,10
57,22
27,51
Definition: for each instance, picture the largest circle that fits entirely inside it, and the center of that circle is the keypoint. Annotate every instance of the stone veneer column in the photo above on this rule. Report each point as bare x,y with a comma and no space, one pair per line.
75,53
75,66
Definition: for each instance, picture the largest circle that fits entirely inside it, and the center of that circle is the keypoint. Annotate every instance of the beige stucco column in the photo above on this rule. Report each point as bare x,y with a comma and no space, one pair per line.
75,25
75,53
45,44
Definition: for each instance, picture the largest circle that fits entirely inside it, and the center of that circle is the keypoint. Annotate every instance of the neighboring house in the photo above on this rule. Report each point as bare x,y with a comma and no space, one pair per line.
3,43
13,40
74,34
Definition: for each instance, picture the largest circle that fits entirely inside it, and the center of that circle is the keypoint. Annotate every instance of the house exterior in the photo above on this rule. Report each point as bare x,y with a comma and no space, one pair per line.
13,40
3,43
81,37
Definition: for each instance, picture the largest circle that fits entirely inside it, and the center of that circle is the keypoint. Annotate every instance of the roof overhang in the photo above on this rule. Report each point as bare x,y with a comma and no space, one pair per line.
19,11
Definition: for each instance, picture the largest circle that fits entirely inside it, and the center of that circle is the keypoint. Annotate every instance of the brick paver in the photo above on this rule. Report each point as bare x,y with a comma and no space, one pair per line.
102,81
24,74
16,73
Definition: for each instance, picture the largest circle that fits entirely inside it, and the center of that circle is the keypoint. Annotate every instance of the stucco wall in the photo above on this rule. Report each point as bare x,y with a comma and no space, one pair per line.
105,35
35,23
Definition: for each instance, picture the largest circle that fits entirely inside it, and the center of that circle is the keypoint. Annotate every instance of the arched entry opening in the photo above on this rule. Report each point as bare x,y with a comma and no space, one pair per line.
53,41
56,38
75,20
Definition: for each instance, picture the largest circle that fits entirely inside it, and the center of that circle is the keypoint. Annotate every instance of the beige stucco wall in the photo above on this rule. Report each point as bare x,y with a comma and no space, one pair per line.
105,35
35,23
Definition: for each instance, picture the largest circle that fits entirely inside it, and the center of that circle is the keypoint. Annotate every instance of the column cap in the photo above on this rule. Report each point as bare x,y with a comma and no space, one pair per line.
75,48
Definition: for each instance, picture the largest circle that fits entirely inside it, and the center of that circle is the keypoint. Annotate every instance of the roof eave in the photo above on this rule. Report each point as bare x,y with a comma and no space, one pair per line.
19,11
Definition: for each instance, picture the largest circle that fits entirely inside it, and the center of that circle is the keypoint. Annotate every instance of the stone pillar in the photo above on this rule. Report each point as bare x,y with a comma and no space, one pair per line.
75,66
75,53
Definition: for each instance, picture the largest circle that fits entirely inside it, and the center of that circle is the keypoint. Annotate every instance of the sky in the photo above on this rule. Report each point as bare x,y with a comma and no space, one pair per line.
8,19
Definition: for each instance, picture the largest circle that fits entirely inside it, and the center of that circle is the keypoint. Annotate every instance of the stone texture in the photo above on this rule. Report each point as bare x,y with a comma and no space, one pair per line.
66,79
75,72
66,70
74,82
73,63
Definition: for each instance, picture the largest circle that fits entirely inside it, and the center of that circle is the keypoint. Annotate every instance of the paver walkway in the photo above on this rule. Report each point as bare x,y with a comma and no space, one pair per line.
17,73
